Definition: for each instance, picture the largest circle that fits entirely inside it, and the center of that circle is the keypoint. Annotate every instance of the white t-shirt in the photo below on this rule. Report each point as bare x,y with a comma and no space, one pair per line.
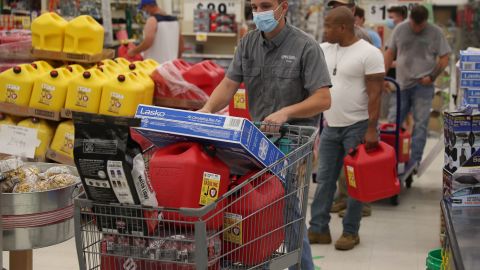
165,44
349,91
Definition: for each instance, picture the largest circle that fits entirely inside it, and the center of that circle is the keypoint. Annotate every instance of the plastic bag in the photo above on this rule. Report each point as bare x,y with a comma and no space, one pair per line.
123,52
169,82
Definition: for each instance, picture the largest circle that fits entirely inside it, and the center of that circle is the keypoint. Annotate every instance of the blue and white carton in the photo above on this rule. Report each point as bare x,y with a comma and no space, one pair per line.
239,143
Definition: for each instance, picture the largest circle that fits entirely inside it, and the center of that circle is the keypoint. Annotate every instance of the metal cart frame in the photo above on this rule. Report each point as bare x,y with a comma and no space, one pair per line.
111,237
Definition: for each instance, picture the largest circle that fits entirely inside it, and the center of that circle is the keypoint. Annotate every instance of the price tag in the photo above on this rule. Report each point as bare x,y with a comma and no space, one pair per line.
377,10
201,37
220,6
18,141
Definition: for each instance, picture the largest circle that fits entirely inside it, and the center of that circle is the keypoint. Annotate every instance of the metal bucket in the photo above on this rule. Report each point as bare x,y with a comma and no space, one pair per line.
38,219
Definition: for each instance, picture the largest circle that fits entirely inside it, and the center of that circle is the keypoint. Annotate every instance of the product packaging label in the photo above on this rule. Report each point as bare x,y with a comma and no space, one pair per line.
68,141
234,232
240,100
351,176
406,146
210,188
115,103
12,93
47,94
83,96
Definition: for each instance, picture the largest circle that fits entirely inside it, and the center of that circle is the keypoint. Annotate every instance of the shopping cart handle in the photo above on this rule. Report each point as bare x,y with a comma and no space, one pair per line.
283,129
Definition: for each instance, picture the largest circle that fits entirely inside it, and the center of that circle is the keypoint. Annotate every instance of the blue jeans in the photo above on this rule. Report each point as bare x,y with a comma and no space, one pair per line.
418,100
293,213
335,142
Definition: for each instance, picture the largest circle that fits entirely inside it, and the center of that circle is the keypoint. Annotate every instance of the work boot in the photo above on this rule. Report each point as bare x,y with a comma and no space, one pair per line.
366,212
347,241
338,206
319,238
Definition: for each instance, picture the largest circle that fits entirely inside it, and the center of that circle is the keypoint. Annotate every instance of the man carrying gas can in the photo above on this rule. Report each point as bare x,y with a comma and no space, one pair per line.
357,71
285,76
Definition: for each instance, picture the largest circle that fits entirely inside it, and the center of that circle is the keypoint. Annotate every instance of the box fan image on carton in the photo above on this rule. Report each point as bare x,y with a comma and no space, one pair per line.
239,143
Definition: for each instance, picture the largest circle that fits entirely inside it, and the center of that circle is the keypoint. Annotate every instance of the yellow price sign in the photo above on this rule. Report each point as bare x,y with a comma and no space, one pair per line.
201,37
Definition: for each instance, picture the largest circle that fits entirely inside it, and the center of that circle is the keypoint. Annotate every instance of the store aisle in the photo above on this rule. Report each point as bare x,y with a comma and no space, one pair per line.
392,238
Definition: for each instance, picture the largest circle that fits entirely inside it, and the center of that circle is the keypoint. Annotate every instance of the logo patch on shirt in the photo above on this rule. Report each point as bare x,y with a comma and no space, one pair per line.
289,58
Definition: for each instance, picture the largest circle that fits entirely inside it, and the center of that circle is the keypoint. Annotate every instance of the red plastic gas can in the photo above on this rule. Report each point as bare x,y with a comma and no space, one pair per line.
206,75
185,175
182,65
372,176
239,104
255,220
387,134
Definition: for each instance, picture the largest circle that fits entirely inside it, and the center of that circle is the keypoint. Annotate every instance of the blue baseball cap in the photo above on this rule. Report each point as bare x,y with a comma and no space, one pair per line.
147,2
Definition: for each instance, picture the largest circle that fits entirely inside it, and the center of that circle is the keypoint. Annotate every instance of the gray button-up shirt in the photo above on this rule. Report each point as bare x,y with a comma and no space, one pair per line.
280,72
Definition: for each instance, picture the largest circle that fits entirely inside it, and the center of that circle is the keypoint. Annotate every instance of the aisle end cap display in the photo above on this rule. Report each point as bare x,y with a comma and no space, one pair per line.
239,142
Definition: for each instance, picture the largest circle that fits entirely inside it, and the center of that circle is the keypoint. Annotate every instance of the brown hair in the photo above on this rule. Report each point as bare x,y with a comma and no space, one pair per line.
419,14
400,10
359,12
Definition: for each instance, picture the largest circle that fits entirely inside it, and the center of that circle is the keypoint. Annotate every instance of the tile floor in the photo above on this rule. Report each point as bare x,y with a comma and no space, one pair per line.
394,237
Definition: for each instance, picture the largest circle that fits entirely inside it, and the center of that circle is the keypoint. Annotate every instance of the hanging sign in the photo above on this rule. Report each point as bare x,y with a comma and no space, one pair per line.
220,6
376,10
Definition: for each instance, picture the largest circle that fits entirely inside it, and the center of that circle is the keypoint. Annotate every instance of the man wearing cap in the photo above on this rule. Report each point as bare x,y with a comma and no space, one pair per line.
287,81
161,36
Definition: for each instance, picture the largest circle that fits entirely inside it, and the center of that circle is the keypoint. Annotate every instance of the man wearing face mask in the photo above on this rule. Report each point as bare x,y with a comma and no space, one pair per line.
286,79
161,36
422,54
396,15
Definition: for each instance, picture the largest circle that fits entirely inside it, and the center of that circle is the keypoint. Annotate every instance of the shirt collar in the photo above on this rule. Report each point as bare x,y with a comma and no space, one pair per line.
279,38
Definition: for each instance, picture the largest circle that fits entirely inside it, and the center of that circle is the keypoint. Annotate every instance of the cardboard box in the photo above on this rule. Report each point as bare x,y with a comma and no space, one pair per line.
470,66
471,92
470,83
462,189
470,56
44,114
239,143
469,75
13,109
459,140
59,157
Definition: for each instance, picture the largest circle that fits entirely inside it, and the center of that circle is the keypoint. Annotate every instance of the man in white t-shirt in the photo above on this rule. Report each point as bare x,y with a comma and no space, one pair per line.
161,35
357,72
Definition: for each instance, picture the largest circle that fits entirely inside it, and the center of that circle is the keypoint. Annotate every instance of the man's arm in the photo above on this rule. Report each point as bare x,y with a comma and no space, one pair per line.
150,30
442,63
221,96
318,102
389,55
374,83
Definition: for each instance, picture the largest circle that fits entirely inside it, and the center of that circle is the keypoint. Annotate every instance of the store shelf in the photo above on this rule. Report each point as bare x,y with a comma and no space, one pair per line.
211,34
210,56
463,234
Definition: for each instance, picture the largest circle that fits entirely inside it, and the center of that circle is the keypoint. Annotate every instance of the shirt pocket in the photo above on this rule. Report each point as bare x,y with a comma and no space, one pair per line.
287,85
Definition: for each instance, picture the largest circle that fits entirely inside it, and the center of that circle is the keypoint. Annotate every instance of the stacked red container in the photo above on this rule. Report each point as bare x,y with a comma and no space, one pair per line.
387,134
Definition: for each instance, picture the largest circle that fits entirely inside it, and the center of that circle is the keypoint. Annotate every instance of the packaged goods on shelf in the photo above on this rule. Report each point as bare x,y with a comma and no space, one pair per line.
85,91
48,32
16,84
45,133
121,95
50,90
239,143
112,169
461,176
64,138
83,35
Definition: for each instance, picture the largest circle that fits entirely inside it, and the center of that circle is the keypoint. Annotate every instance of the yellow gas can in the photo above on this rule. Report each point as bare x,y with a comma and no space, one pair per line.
44,134
152,64
16,84
75,69
121,96
83,35
42,66
148,85
123,62
50,90
48,31
85,91
108,70
64,138
6,119
143,66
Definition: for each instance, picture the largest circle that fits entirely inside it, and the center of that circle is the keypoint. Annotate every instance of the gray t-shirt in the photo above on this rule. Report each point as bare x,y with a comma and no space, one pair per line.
417,53
280,72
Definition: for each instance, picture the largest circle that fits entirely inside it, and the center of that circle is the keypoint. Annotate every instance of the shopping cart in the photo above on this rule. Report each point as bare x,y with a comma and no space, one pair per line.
261,224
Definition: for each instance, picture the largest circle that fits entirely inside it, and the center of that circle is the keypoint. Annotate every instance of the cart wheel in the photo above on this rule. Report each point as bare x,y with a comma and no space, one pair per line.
394,200
409,181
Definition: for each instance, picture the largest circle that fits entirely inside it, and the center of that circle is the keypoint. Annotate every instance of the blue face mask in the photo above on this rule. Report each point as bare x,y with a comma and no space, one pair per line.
390,23
266,21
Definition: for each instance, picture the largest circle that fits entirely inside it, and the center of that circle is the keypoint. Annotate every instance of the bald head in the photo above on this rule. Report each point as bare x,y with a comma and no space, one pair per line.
342,16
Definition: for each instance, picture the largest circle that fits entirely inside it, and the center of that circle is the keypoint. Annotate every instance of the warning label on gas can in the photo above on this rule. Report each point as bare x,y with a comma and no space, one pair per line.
210,188
351,177
406,146
233,228
240,100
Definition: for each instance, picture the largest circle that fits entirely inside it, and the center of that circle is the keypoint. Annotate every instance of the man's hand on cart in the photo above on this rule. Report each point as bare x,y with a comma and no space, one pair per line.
274,121
371,139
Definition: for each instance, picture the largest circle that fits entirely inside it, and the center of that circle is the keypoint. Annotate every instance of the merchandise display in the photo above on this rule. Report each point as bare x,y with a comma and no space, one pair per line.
48,32
470,77
45,133
83,35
